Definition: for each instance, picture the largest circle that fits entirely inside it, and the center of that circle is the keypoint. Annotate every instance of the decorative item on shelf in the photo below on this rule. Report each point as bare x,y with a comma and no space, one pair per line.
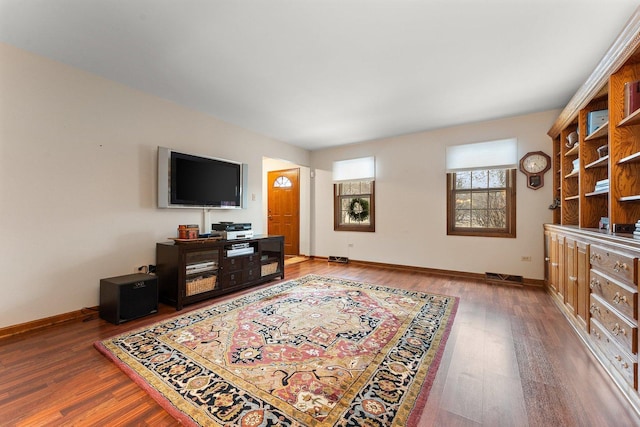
631,97
358,209
604,223
556,203
534,165
623,228
595,119
576,165
188,231
572,139
603,151
602,186
636,232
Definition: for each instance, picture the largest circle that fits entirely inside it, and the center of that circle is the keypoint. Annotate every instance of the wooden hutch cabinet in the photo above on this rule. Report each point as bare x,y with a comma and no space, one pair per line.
591,250
189,272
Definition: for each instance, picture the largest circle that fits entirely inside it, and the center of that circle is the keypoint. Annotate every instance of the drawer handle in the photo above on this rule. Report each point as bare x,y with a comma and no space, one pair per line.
593,283
595,257
625,365
619,266
618,358
547,259
617,298
617,330
594,308
573,278
597,334
554,264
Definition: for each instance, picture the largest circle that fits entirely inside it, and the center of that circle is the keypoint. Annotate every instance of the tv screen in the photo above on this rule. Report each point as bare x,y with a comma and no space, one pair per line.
198,181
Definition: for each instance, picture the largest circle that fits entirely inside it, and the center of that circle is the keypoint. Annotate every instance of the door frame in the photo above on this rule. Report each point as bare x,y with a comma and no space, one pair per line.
271,164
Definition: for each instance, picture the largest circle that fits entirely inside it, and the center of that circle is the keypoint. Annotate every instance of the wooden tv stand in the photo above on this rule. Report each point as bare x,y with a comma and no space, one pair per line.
189,272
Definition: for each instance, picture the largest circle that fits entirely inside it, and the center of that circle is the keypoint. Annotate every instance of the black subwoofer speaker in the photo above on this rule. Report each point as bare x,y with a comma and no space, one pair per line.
128,297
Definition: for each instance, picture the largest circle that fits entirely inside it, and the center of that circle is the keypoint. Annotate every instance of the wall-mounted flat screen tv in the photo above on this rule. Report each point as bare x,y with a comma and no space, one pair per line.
195,181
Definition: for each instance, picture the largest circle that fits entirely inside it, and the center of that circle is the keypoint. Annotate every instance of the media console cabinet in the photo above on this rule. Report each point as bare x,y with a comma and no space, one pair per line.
189,272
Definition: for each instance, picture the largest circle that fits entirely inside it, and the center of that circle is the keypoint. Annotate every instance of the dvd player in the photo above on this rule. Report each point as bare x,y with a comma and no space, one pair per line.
231,226
240,234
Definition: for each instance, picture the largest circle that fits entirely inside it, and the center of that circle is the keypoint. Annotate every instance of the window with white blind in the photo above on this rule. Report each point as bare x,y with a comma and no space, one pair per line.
481,192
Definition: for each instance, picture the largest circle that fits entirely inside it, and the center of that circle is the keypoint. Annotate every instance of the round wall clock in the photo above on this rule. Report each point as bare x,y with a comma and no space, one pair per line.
534,165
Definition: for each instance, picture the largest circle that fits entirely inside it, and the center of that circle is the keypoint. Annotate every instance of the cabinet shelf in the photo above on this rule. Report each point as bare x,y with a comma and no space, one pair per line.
572,174
576,197
597,193
572,151
602,162
601,132
635,157
631,119
629,198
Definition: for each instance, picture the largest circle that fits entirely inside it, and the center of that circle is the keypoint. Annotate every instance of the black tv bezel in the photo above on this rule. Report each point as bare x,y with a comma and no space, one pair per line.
166,181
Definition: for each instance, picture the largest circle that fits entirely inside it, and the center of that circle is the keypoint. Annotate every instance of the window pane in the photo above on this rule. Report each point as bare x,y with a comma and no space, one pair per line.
344,203
497,199
479,200
365,187
497,218
463,218
497,178
479,218
463,200
479,179
463,180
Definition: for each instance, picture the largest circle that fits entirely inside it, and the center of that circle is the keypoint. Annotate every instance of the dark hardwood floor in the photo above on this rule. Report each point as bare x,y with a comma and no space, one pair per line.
511,360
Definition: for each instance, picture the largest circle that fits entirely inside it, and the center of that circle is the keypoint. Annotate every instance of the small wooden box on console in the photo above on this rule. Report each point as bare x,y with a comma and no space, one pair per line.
197,270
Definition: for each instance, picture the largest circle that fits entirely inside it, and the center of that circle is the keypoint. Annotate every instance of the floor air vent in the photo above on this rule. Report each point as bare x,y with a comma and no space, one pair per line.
507,279
338,259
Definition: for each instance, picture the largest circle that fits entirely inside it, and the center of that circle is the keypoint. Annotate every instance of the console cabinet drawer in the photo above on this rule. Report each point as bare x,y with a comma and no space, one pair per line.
240,262
621,330
232,263
623,363
619,296
615,264
233,279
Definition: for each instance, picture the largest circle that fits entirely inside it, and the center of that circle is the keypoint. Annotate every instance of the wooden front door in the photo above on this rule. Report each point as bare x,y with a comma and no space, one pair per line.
284,207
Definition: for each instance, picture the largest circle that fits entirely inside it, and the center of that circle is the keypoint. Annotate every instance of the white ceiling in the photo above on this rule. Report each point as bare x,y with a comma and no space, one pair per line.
331,72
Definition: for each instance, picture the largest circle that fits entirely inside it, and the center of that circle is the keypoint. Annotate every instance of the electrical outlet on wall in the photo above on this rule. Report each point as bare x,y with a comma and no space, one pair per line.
526,258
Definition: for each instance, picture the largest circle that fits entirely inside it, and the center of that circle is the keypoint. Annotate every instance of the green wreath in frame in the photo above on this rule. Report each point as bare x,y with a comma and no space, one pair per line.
358,209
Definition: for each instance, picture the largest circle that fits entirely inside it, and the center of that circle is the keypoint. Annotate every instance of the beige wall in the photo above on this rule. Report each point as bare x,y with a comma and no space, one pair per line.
411,222
78,181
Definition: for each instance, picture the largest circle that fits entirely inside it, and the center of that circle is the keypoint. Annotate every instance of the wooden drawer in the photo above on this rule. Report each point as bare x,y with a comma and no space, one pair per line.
232,263
252,272
619,296
252,261
620,265
233,279
623,331
237,263
624,364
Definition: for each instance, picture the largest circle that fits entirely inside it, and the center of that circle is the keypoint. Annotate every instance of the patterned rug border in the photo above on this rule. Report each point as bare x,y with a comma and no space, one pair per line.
416,411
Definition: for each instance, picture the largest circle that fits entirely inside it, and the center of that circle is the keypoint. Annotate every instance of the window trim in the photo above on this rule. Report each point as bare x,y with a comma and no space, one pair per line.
508,232
371,227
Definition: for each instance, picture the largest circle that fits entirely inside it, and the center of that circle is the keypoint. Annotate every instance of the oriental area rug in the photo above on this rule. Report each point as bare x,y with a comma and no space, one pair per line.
314,351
